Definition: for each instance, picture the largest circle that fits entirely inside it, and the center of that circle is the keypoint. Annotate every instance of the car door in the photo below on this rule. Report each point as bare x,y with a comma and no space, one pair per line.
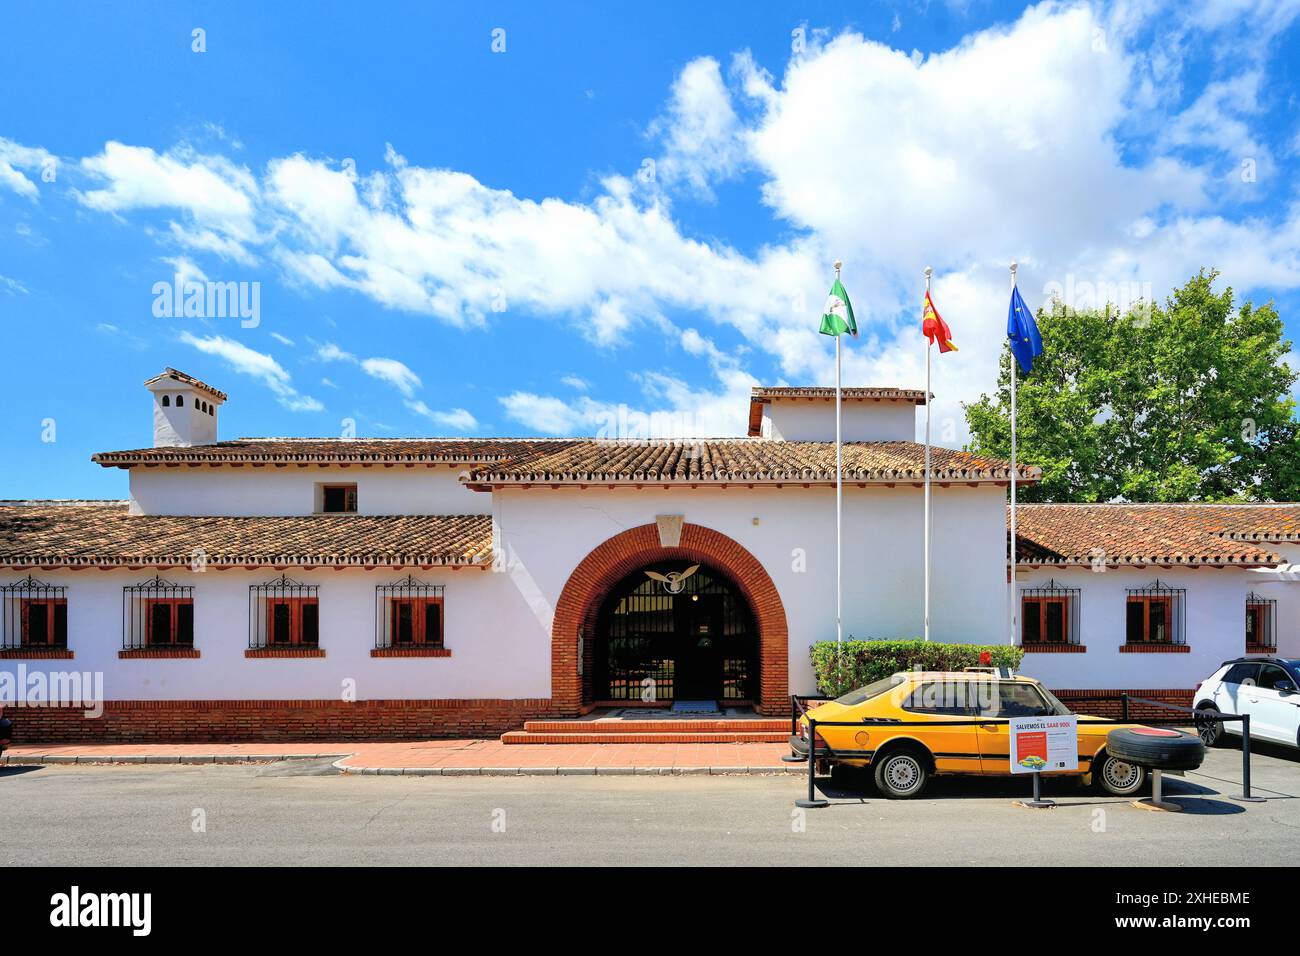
1231,696
1013,699
1274,705
940,703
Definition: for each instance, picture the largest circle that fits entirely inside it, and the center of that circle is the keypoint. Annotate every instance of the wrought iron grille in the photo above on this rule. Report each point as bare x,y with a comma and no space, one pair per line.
672,633
157,613
1156,614
1261,616
35,615
1049,615
408,614
283,613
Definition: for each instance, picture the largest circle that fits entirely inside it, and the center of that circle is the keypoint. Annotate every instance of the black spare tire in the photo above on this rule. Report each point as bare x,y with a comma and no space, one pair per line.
1156,747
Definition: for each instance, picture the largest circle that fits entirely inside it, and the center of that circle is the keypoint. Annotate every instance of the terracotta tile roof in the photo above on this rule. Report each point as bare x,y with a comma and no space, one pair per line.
331,451
760,396
178,376
1195,534
102,534
738,460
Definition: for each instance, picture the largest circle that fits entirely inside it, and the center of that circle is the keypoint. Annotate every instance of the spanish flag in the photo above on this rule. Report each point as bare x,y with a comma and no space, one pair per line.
934,328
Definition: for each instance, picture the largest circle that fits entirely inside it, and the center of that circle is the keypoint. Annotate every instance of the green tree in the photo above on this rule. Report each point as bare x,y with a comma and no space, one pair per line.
1189,401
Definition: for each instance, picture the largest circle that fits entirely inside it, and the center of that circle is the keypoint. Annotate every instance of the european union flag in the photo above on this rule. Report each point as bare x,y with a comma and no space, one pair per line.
1022,330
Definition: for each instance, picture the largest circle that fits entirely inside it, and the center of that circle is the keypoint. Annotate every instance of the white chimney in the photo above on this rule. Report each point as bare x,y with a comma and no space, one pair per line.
184,410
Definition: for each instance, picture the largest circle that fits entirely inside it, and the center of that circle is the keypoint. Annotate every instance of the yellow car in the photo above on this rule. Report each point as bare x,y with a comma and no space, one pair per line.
950,702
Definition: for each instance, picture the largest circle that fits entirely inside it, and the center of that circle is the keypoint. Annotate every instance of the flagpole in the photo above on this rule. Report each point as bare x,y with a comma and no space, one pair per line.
1011,572
928,348
839,497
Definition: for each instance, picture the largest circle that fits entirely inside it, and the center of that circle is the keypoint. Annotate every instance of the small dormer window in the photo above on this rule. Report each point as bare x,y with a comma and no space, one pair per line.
167,400
180,401
338,499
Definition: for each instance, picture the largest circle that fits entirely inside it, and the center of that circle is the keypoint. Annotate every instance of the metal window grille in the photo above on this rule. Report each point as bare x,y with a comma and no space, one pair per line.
157,613
1156,614
35,614
695,639
408,614
1049,615
1261,617
283,613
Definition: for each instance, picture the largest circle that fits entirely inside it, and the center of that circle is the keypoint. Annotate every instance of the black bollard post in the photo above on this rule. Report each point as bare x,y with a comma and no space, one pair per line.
1245,795
812,803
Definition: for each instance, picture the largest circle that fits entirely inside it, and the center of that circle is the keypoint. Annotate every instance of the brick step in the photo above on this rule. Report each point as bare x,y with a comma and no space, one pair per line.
650,737
671,726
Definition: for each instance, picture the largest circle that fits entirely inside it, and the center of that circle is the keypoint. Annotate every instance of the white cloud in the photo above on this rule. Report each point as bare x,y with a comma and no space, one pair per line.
282,339
185,270
14,159
700,129
550,416
573,381
12,286
1008,145
457,419
217,196
393,372
258,365
670,408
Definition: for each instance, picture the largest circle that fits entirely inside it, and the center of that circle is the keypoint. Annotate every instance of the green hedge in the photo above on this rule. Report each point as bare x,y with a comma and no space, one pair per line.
840,668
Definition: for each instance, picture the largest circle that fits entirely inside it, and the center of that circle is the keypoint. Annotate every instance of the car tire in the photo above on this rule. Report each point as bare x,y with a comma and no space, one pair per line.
1211,732
1118,777
1156,748
902,774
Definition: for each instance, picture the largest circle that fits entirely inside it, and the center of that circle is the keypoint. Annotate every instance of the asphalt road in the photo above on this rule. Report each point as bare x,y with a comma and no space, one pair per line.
301,812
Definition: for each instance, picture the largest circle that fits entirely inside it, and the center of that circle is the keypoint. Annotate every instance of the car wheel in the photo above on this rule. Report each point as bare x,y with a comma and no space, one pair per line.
1117,777
1210,730
902,774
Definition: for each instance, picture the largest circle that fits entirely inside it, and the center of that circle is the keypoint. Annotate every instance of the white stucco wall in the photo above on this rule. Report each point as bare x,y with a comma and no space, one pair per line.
423,489
1215,626
547,532
498,622
795,420
497,649
1283,585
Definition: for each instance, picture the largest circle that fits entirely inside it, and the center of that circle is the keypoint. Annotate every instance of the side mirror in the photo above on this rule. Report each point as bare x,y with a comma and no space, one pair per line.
1285,686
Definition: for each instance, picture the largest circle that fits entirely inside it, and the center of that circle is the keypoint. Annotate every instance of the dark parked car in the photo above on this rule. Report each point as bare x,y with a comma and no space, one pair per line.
6,730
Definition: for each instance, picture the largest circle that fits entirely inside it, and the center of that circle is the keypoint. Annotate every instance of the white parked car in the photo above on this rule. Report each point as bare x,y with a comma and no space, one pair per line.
1266,688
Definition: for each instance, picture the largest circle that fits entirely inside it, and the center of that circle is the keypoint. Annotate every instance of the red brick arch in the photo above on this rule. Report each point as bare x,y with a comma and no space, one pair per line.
622,554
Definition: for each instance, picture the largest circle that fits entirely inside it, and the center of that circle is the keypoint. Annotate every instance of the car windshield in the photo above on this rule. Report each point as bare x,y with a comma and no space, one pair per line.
866,693
1022,700
1060,709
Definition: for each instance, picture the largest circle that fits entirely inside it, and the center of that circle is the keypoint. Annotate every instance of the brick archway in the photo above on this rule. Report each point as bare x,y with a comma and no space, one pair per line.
622,554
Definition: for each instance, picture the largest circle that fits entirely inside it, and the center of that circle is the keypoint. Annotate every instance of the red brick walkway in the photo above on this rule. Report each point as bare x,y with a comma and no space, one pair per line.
450,757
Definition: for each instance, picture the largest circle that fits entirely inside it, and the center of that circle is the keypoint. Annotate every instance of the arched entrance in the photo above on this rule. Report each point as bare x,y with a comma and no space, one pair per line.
574,628
675,631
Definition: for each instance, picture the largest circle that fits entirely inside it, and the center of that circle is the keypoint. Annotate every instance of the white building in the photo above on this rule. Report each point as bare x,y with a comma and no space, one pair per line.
328,588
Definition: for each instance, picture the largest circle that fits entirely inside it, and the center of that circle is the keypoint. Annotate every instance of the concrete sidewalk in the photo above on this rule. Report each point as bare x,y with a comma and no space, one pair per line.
437,757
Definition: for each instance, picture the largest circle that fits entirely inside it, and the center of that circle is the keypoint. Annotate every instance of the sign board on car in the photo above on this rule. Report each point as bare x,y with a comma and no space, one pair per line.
1044,743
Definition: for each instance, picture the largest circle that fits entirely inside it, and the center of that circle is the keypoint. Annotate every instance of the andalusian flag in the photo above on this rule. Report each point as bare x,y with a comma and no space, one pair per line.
838,316
934,328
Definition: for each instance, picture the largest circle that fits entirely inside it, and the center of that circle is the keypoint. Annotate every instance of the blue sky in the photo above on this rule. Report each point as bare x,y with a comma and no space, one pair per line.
616,216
